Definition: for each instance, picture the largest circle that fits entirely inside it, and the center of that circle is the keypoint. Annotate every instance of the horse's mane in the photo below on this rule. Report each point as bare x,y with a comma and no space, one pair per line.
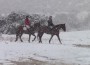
58,25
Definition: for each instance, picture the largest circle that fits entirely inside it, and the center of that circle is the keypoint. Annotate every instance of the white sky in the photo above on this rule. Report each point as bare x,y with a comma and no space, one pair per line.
26,5
32,6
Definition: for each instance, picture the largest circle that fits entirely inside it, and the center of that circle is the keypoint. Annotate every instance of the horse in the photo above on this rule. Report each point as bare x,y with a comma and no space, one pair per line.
30,31
53,31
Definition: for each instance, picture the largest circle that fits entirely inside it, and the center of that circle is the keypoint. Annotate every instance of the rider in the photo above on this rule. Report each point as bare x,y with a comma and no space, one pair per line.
27,22
50,23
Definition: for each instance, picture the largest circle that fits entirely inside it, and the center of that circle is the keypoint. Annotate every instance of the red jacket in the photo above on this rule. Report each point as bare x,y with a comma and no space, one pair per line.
27,22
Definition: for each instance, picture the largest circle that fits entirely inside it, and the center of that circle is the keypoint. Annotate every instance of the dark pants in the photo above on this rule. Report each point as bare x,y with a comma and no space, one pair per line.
50,27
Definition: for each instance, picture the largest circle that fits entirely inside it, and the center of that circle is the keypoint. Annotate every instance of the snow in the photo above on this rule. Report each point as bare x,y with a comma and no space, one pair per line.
66,52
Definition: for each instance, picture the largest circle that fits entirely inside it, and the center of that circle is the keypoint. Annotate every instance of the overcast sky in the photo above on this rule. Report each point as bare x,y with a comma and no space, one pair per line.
29,6
42,6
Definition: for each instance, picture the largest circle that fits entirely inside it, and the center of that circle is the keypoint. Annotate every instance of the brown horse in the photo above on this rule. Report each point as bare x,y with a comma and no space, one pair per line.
53,31
30,31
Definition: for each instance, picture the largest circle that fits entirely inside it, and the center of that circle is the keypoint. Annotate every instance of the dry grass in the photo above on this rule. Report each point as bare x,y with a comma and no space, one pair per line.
37,62
83,46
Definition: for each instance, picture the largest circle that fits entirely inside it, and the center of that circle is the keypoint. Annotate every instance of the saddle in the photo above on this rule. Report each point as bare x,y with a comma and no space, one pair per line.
25,27
50,28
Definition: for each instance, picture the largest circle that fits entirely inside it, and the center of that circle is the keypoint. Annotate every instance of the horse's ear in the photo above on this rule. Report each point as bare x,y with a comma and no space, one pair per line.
64,24
65,27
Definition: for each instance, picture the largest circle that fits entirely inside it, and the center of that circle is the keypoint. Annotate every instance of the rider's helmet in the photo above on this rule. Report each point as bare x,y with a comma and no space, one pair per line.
27,16
50,17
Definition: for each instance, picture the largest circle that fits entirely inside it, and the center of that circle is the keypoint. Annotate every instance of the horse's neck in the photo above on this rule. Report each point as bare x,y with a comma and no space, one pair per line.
56,27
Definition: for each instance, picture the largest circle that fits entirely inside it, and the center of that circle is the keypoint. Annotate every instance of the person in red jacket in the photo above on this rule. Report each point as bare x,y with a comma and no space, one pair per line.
27,22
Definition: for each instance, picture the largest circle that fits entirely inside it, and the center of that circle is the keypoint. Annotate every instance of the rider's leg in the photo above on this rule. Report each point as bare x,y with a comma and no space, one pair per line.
27,26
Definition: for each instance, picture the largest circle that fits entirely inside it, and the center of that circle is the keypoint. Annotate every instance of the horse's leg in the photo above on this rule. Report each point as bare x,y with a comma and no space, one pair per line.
51,38
20,37
59,39
17,34
37,37
29,38
40,37
34,37
16,37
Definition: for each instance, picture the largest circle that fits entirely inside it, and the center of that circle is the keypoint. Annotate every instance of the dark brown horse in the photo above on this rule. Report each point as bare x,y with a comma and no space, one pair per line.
30,31
53,31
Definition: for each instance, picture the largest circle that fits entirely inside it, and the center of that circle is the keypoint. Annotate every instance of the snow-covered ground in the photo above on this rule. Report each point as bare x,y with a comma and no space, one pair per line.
66,52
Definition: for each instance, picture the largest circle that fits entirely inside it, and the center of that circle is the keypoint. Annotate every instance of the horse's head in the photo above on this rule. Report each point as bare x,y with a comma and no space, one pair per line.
63,27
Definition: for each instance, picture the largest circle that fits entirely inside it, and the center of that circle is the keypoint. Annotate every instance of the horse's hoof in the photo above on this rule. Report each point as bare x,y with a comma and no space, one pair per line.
32,40
15,40
29,41
21,41
39,42
49,42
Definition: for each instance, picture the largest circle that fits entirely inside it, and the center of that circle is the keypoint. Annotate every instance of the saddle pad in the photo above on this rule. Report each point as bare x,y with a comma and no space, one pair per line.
24,28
